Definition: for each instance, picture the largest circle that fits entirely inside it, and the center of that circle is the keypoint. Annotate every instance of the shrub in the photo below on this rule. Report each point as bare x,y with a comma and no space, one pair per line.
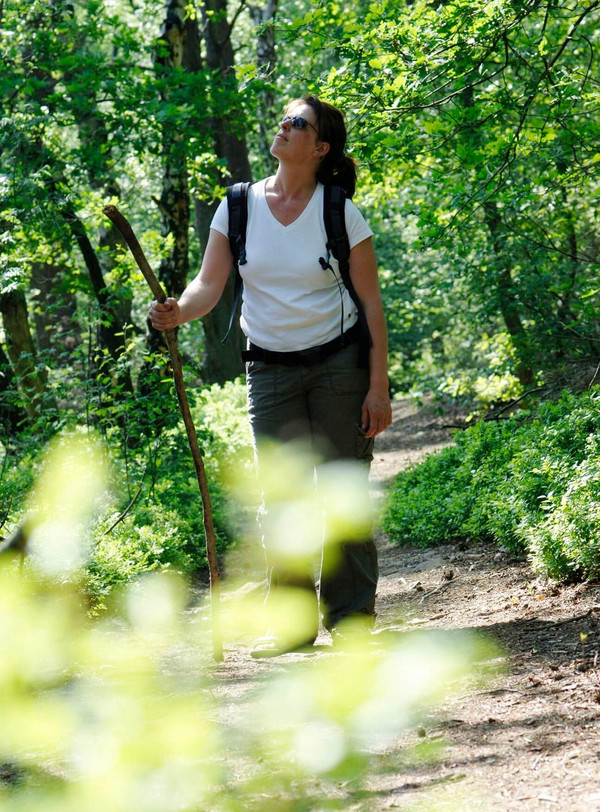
423,508
163,526
531,484
132,549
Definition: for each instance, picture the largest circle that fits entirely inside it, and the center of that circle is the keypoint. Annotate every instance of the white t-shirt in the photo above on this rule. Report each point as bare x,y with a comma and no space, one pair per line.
289,302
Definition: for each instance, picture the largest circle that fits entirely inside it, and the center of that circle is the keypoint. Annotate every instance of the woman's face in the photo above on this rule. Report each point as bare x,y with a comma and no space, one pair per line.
295,140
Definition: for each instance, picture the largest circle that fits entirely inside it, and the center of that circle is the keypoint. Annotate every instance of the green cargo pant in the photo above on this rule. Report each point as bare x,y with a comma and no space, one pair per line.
322,405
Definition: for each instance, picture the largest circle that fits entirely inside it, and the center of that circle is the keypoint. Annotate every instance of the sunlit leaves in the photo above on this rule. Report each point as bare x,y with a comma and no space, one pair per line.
126,712
531,484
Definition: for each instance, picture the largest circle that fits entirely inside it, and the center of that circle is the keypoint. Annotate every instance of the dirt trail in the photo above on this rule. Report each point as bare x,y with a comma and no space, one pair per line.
530,740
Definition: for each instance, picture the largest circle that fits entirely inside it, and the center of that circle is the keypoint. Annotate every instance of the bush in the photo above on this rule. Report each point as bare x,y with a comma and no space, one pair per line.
531,484
163,526
132,549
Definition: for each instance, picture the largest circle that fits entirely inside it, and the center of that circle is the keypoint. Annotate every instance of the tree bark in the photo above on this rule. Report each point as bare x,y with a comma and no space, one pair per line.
54,314
181,51
507,301
509,307
266,60
229,139
12,416
222,361
112,329
22,351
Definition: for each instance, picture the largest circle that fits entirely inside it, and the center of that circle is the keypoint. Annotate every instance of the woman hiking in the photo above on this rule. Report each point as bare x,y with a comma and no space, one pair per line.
305,378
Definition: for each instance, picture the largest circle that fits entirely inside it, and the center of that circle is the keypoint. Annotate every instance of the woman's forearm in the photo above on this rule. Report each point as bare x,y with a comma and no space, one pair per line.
378,356
202,293
197,300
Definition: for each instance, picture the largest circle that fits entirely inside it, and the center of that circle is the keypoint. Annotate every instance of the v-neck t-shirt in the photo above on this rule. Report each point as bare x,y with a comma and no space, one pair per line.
289,302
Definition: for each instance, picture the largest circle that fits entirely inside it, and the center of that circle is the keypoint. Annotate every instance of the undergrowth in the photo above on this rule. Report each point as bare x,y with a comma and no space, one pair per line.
530,483
150,517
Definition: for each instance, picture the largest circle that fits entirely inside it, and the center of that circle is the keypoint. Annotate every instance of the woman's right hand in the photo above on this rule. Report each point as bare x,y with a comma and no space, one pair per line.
164,316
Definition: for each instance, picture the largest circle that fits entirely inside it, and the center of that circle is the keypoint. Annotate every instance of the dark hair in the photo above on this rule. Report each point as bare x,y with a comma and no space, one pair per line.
336,168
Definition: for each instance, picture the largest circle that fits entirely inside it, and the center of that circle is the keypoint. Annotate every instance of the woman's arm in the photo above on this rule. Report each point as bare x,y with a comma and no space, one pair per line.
377,410
203,292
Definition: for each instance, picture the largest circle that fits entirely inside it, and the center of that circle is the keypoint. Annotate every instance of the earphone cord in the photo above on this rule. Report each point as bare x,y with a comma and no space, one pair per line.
326,265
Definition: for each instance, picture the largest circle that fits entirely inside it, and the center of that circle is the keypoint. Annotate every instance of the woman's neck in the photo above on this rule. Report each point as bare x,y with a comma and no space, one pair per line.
292,183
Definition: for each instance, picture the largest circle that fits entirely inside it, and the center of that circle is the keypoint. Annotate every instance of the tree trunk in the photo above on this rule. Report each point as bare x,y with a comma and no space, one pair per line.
54,313
229,139
22,351
506,297
181,51
507,301
266,60
222,361
565,314
12,416
112,329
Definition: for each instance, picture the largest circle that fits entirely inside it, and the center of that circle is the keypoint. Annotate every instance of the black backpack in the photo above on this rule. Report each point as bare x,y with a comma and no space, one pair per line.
334,200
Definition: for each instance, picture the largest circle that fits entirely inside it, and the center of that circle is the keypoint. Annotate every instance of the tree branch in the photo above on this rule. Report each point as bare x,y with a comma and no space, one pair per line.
510,152
125,512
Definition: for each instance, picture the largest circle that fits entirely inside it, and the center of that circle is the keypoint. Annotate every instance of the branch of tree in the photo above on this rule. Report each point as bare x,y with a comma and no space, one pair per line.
510,152
513,402
575,618
211,553
591,383
125,512
234,20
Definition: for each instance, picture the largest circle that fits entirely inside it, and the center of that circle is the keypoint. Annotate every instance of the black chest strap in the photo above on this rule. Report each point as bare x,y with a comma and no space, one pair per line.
334,203
237,206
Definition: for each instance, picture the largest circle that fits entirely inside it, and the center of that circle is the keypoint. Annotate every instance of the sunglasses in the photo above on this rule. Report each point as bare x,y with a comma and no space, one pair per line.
298,123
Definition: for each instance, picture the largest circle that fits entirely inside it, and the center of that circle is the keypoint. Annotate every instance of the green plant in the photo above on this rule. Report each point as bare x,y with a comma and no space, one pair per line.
124,710
153,496
530,484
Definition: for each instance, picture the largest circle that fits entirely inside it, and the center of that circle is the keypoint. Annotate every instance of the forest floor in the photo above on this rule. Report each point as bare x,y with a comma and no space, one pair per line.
527,740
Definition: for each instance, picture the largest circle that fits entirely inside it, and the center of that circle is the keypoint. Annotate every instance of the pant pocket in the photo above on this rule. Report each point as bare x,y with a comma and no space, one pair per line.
364,445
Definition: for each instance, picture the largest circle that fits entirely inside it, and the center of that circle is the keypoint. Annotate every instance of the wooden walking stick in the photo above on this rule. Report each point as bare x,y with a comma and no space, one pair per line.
124,227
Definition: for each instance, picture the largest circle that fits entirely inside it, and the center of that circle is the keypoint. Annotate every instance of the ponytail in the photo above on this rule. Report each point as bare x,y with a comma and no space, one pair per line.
340,172
336,168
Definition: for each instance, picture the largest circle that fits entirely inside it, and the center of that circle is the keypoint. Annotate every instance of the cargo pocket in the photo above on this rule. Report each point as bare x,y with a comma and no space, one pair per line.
364,446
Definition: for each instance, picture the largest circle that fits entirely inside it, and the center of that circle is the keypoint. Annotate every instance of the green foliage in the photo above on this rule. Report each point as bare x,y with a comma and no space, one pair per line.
222,410
476,132
126,711
487,379
163,528
478,122
154,540
424,506
531,484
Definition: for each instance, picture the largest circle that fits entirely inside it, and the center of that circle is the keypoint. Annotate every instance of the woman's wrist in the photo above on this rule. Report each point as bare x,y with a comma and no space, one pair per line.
379,381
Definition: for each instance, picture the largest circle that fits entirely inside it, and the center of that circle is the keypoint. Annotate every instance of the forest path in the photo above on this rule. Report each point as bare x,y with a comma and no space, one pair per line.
529,739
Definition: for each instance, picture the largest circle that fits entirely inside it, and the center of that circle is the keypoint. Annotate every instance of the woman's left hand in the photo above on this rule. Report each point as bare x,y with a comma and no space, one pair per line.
376,413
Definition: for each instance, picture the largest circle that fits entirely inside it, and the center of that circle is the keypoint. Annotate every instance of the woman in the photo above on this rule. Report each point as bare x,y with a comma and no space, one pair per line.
291,303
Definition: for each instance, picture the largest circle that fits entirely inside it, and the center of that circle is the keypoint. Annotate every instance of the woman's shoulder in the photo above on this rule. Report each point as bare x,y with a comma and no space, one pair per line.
257,188
356,224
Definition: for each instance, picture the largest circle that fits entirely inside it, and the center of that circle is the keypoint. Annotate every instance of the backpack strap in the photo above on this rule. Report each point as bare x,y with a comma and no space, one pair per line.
334,201
237,206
